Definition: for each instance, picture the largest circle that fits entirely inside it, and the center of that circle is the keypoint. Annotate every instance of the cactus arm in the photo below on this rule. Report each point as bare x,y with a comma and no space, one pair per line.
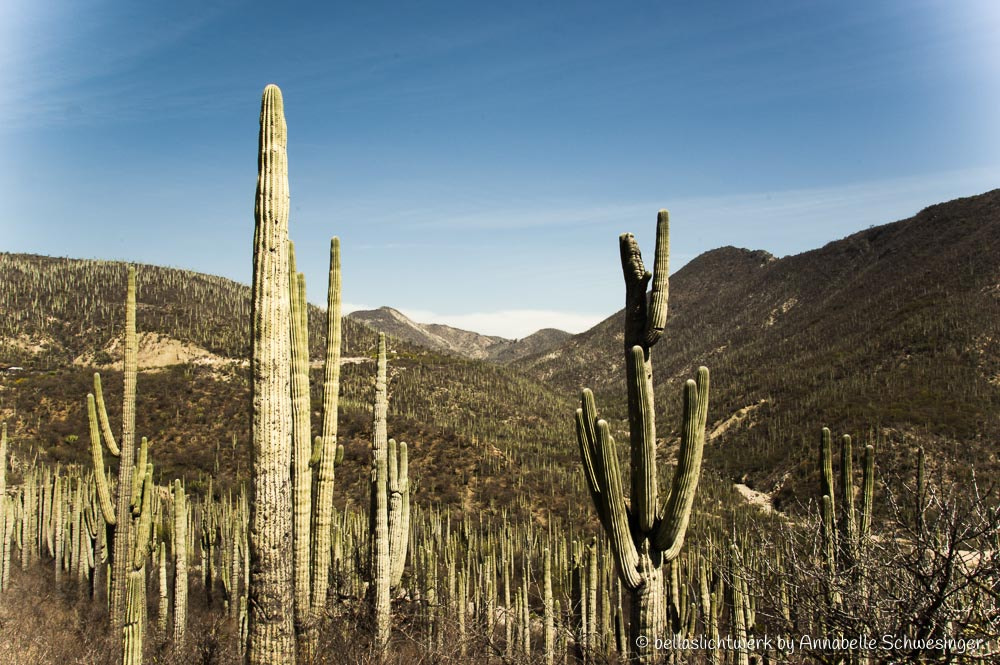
657,318
317,452
143,532
137,477
109,436
636,280
587,453
620,535
643,438
670,532
395,502
103,489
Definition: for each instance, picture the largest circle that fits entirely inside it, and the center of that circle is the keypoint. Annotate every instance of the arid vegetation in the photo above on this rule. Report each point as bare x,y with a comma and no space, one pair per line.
265,516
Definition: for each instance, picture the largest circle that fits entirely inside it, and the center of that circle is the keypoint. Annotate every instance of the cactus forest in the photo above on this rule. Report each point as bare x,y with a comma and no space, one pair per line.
350,496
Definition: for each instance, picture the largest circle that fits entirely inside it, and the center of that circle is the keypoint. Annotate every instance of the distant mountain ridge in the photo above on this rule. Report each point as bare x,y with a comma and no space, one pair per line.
464,343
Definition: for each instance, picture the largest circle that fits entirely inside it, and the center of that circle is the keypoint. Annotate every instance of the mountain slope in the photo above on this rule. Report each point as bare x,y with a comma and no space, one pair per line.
456,341
477,431
889,334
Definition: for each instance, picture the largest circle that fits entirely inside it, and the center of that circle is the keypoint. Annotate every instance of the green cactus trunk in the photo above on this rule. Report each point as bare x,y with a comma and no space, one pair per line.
330,449
301,452
648,535
271,637
124,538
180,564
379,531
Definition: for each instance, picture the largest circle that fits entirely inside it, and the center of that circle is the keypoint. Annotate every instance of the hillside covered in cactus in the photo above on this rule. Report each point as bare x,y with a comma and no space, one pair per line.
236,474
887,334
890,333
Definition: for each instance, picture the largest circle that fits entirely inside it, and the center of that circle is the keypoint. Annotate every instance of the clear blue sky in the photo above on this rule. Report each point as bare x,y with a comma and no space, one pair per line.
479,159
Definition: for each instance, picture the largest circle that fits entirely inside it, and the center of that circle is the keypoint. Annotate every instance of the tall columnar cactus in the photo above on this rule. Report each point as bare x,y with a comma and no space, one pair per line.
4,537
330,452
116,511
389,512
3,460
180,564
301,446
380,564
548,610
645,533
271,636
844,539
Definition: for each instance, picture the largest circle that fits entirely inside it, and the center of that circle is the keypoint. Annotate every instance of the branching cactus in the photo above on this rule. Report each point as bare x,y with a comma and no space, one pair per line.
271,637
645,533
135,606
389,514
115,512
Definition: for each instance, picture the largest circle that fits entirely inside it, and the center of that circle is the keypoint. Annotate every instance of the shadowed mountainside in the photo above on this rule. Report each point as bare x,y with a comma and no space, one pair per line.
889,334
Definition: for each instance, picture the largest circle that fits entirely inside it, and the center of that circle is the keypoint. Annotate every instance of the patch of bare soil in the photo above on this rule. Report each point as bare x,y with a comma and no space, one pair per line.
155,351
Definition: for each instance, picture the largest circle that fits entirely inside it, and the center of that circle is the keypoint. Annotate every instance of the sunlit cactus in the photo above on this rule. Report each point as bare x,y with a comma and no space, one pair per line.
133,630
271,637
116,512
330,451
301,447
180,564
389,508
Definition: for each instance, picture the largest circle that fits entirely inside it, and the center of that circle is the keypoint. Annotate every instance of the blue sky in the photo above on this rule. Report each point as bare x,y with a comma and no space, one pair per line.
478,160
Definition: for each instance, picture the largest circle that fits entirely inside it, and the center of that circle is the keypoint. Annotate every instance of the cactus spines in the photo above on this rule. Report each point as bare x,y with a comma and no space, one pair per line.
548,609
389,511
163,607
118,518
826,464
644,534
301,446
867,493
135,606
3,462
379,511
328,447
180,564
271,636
101,480
848,520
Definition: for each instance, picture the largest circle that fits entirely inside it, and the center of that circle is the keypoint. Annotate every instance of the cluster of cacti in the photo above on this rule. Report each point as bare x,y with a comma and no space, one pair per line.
510,588
645,533
844,539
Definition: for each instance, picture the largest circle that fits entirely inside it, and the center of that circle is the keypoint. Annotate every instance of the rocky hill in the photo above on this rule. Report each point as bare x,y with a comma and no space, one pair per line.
455,341
889,334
